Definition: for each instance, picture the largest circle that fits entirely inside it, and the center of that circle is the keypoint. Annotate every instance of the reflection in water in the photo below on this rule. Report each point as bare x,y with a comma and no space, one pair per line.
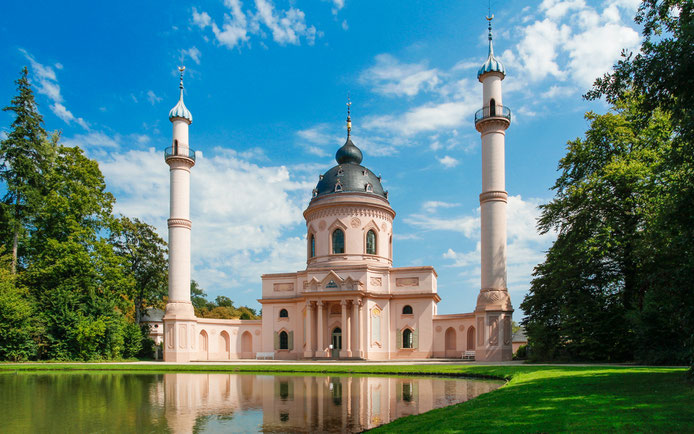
123,402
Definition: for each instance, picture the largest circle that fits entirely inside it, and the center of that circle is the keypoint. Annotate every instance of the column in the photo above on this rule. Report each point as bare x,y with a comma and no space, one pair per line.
309,331
356,304
320,347
345,352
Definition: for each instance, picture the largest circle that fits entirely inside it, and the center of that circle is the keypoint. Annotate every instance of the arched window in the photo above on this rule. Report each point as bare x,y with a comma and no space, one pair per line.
407,341
407,310
284,341
284,313
338,241
312,247
371,242
492,107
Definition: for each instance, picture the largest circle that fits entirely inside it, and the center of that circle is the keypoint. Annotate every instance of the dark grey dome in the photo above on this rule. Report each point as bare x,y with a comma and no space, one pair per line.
348,153
349,176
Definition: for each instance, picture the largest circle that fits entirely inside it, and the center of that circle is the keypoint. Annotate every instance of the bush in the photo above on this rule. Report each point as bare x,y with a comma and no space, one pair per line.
521,353
17,322
132,340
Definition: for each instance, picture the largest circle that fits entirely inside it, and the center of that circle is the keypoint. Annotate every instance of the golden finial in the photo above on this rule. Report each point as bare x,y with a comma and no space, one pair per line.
180,70
349,118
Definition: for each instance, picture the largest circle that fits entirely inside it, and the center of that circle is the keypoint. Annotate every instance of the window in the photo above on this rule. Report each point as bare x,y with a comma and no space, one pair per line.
407,310
338,241
492,107
312,246
284,313
369,188
407,341
371,242
284,340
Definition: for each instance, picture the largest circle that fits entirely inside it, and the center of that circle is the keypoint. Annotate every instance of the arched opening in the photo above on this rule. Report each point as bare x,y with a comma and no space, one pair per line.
203,345
247,343
312,246
450,338
390,247
338,241
407,310
492,107
336,342
175,147
224,345
471,338
284,340
407,341
284,313
371,242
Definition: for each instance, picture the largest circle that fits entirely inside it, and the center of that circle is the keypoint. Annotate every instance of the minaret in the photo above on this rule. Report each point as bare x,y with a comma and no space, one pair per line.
179,320
494,310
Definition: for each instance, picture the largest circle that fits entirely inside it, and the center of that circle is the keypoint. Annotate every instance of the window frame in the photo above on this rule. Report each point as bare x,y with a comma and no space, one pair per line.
286,340
411,312
286,313
407,339
375,243
332,241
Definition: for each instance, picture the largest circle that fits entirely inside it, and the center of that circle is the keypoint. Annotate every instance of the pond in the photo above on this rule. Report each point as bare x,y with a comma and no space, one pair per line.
210,403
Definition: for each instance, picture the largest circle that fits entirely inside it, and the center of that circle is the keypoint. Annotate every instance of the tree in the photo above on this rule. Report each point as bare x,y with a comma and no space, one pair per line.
18,325
662,75
73,271
144,253
586,297
24,156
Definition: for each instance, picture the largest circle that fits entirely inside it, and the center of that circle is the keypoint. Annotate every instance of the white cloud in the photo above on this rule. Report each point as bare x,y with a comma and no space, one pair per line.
337,6
92,140
432,206
525,247
202,20
286,26
241,211
345,26
448,161
391,77
193,53
429,117
152,97
47,84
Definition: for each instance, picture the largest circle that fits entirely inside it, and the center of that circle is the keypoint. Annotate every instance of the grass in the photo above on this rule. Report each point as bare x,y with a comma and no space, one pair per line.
534,399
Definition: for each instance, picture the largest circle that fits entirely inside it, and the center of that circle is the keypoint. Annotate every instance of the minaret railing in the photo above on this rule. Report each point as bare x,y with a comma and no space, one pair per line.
495,111
174,151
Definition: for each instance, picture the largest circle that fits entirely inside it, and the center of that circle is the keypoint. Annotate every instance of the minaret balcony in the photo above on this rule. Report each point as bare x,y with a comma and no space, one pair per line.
493,112
179,152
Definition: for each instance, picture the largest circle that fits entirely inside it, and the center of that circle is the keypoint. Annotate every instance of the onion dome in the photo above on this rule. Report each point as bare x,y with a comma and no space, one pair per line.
180,110
492,64
349,176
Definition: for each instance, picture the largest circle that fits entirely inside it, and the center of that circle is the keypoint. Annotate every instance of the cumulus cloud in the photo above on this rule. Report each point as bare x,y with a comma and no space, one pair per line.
525,247
241,212
391,77
192,53
152,97
285,26
47,84
448,161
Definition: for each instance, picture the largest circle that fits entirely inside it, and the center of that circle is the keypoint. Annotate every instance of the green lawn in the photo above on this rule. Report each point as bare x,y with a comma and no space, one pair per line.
535,398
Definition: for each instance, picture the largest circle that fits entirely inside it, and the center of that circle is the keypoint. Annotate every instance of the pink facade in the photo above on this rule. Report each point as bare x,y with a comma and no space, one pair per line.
350,301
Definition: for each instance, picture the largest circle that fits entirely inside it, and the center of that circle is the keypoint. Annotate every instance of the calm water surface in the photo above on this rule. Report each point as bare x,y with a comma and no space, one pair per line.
216,403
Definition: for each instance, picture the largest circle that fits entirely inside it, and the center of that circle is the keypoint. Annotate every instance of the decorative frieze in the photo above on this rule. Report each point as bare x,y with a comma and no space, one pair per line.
352,212
375,281
402,282
281,287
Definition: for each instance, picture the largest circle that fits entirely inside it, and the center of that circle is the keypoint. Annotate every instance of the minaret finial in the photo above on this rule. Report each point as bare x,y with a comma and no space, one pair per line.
180,70
349,118
490,18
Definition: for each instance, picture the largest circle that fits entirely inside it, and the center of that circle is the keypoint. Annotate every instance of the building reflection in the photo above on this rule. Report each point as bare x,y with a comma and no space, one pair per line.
306,403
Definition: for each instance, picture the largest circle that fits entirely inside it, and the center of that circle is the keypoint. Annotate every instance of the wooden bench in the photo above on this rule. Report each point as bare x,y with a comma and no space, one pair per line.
269,355
468,355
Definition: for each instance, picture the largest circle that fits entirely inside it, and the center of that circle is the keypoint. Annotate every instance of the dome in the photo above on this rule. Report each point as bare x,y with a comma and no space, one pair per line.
349,176
180,111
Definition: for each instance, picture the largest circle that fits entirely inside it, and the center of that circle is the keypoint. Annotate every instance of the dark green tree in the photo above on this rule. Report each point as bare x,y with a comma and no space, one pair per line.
73,271
24,157
144,253
662,75
586,296
18,326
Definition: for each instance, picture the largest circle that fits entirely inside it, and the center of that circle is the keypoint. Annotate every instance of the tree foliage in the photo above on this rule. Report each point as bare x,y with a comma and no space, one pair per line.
616,284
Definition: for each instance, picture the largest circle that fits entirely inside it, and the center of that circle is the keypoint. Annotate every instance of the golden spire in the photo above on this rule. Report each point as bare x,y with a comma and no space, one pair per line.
349,119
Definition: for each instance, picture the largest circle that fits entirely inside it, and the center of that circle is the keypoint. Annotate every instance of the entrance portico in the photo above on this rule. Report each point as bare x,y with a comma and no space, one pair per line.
336,322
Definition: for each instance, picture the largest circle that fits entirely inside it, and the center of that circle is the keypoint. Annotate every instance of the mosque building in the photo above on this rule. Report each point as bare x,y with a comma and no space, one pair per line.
350,302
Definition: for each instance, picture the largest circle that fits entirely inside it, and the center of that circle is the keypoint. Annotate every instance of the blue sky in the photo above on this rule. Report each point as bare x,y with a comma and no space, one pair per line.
267,80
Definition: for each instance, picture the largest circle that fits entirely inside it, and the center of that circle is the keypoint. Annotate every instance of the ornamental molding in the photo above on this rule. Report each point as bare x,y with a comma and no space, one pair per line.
495,124
494,196
180,162
179,223
351,212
